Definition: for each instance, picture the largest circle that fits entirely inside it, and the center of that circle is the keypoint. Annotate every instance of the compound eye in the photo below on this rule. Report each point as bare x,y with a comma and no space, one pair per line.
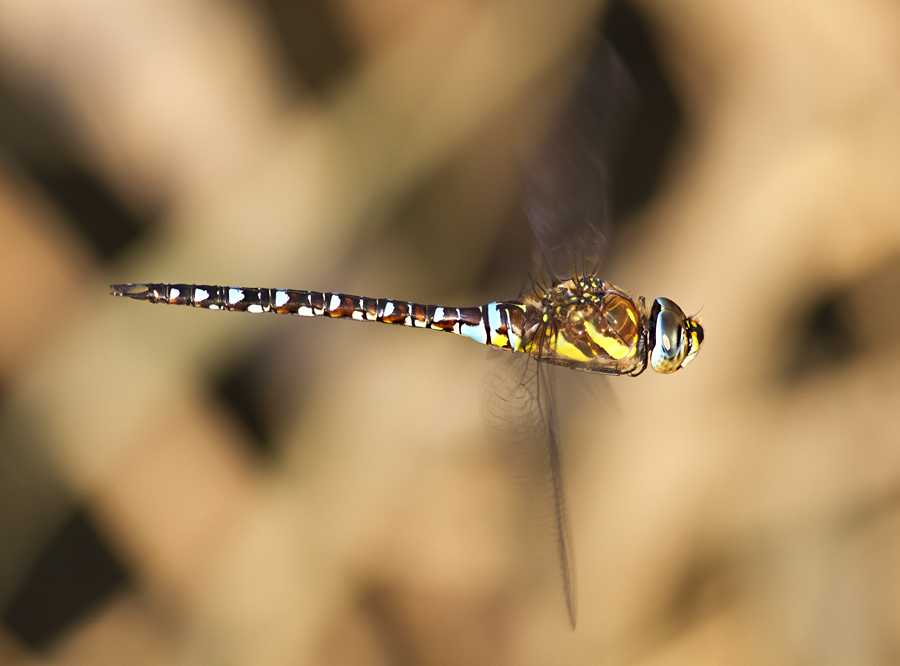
670,346
670,350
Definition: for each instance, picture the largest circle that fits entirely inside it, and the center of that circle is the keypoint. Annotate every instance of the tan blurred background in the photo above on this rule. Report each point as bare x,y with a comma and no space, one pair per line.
187,487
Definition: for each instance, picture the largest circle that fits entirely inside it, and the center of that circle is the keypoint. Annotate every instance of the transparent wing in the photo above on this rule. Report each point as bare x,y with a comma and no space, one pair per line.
565,192
519,409
566,188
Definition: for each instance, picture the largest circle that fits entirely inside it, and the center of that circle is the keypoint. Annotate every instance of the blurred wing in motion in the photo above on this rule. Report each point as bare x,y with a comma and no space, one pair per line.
565,191
566,187
518,408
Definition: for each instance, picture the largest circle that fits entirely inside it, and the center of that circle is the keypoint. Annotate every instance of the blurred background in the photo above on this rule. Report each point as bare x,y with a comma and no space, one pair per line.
189,487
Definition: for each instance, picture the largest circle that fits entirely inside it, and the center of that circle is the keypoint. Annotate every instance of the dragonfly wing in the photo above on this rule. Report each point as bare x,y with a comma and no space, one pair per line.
545,404
519,409
566,187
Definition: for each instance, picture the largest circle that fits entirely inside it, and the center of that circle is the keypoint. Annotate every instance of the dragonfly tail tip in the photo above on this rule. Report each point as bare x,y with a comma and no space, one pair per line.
139,291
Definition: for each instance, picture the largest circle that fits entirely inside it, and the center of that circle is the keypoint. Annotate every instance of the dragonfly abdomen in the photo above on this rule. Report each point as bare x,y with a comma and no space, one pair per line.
499,324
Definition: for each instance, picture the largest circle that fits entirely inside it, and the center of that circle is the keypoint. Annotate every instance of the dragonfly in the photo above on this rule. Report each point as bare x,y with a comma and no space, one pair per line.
575,320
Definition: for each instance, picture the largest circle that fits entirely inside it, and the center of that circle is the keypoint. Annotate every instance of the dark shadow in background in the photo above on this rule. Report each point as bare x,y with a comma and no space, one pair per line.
73,575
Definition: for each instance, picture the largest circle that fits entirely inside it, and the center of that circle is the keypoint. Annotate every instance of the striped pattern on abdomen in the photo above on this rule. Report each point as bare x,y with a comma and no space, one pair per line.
498,324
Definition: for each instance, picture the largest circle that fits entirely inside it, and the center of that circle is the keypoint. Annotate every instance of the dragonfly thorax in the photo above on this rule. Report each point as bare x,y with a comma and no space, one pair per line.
589,324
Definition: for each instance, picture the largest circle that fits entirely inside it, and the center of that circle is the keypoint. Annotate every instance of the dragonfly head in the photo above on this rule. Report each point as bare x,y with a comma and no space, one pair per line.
675,338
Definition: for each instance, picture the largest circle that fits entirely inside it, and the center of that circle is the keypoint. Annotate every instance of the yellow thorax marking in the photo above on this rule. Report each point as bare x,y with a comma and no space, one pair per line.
566,349
609,342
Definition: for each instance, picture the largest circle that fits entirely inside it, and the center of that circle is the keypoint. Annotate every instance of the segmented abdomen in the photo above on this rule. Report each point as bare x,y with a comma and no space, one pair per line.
499,324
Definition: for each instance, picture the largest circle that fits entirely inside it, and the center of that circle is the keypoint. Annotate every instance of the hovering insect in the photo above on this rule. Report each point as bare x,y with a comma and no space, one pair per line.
580,321
584,323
